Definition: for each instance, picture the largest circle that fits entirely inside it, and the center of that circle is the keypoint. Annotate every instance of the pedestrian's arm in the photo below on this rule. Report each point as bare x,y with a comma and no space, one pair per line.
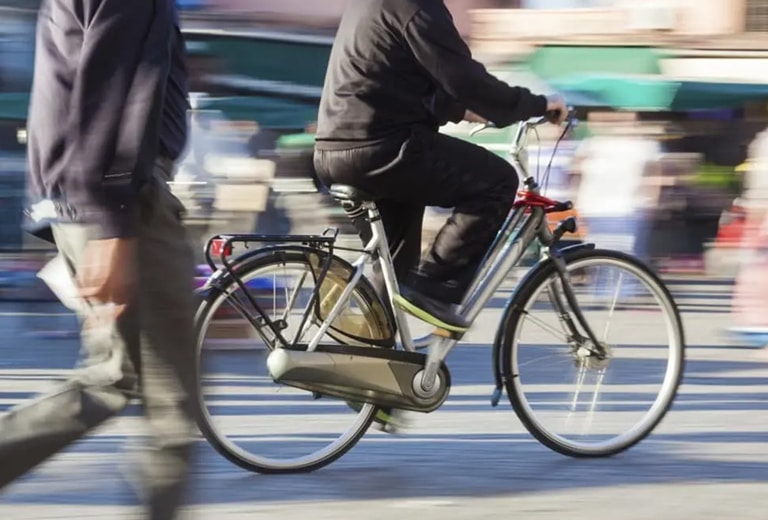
439,48
110,119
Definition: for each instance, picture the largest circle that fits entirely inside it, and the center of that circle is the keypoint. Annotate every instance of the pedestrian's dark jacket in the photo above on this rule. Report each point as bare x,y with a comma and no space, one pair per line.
396,64
100,111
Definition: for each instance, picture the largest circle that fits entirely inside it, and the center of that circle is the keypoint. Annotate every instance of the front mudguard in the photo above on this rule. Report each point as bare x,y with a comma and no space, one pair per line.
503,329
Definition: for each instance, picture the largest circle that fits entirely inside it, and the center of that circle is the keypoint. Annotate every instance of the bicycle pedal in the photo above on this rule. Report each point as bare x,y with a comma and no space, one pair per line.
387,428
395,422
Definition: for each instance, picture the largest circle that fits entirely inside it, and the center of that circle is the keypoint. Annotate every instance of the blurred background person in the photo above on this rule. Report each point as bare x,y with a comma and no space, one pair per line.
750,297
612,164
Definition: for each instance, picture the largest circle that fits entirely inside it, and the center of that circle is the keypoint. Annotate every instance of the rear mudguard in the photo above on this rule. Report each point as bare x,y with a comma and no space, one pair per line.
502,331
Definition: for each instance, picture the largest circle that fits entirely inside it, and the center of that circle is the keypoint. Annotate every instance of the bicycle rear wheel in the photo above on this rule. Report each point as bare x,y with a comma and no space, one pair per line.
571,401
251,420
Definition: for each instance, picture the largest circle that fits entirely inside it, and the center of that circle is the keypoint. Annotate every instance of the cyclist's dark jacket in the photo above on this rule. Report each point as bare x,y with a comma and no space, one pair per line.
397,64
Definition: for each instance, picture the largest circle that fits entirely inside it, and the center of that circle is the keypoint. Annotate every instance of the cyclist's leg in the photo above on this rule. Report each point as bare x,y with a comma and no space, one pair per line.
432,169
402,219
481,188
402,226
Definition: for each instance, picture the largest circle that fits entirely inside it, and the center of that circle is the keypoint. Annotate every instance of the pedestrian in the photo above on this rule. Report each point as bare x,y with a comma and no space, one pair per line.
750,293
107,121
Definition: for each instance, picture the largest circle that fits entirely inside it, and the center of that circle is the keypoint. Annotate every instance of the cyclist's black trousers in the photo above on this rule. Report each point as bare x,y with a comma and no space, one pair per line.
427,168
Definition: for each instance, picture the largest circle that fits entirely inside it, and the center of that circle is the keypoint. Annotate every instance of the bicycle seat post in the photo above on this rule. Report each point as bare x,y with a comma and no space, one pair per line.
377,249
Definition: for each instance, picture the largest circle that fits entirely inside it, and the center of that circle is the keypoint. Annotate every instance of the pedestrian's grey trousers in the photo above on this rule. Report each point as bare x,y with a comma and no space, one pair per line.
148,349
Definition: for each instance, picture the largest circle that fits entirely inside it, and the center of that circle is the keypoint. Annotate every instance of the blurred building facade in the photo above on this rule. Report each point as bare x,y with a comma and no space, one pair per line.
259,66
712,24
328,12
541,21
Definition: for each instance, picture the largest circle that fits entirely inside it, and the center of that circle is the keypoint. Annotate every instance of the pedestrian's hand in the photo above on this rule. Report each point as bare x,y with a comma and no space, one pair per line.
471,117
107,271
557,110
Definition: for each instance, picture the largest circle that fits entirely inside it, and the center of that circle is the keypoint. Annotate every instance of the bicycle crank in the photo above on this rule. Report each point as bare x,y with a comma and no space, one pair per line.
383,377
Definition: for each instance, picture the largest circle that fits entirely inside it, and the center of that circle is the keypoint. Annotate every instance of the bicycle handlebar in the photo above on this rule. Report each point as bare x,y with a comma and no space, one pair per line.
518,149
569,120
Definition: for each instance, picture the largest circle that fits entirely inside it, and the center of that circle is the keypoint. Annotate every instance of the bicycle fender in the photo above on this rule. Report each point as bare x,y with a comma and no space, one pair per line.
509,307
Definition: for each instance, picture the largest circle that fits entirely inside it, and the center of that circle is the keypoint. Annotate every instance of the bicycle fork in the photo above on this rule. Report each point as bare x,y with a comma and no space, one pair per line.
566,298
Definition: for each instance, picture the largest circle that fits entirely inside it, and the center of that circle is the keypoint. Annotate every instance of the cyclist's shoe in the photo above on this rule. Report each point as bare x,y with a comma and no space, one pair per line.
435,312
389,420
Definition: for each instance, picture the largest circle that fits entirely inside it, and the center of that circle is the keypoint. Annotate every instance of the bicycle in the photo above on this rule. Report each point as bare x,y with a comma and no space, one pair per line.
353,361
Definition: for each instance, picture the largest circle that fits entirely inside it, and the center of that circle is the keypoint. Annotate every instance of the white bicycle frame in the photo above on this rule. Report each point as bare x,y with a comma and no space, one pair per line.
515,236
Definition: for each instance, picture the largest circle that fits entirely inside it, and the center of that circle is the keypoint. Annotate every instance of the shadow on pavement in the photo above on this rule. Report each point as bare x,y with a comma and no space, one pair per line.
413,466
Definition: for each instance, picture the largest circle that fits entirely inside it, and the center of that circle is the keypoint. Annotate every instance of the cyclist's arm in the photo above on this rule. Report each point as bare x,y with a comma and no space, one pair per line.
439,48
445,108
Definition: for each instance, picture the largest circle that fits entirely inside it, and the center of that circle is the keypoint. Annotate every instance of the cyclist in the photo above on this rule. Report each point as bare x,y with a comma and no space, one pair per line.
398,70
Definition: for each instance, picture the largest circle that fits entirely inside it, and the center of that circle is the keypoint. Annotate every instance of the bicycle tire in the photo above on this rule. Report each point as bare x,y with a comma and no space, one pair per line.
509,330
253,262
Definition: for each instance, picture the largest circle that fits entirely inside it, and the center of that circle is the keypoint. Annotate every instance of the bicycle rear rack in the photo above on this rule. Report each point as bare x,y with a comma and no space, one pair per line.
222,246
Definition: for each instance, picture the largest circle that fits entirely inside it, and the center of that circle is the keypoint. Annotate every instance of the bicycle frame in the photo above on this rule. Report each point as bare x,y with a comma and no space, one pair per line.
525,223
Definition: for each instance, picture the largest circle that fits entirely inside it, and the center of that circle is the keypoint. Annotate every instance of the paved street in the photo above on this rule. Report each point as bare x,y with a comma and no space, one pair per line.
708,460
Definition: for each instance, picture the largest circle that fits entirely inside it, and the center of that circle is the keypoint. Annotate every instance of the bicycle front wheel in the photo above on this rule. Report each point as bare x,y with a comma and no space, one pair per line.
247,417
572,401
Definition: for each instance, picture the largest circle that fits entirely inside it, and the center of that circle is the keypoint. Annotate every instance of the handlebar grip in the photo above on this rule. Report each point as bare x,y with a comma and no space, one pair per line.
552,114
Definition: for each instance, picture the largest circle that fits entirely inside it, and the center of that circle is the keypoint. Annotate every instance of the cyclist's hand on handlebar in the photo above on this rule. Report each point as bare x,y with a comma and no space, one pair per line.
474,118
557,110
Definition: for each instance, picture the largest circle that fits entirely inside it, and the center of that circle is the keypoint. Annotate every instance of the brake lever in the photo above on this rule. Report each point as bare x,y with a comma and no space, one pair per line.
480,128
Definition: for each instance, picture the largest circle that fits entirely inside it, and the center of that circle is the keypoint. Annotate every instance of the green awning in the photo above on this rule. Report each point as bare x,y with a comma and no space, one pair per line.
554,61
524,76
658,93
